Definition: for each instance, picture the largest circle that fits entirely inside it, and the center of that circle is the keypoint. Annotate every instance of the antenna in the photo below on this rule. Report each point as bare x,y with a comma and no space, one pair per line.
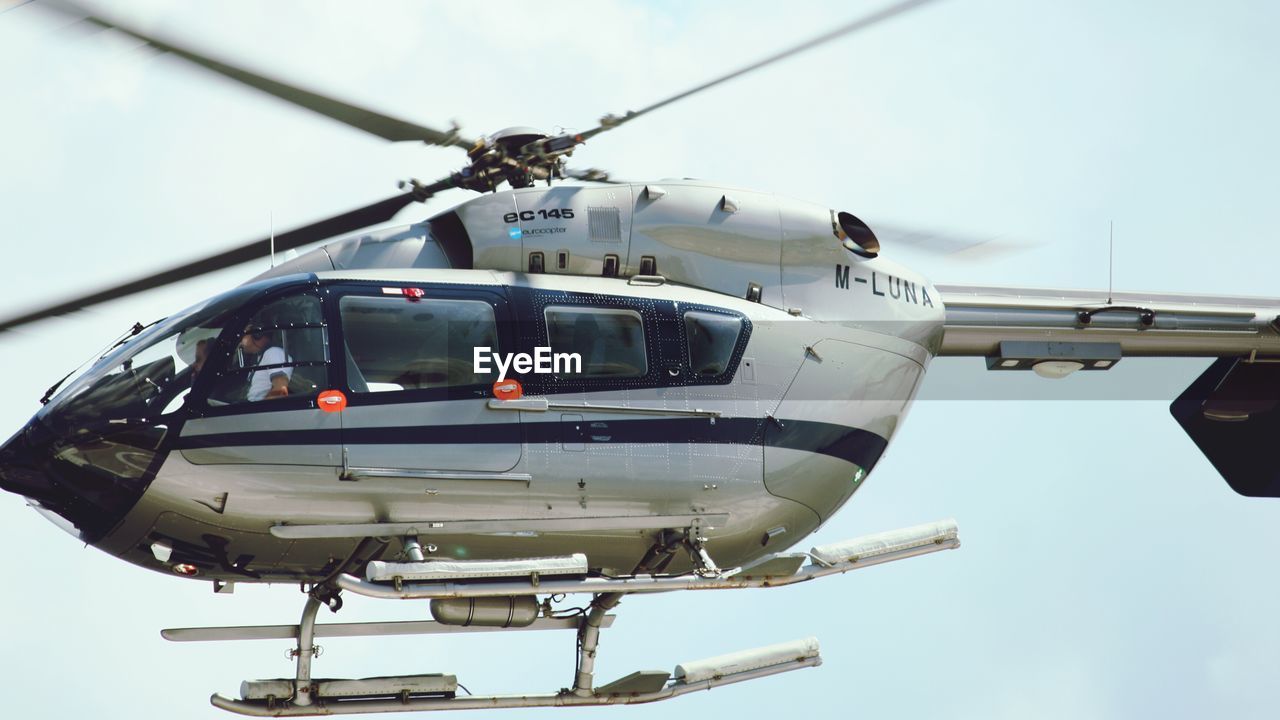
271,223
1111,259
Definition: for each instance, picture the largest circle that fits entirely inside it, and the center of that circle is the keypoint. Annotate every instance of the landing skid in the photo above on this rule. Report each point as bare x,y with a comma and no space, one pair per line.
306,695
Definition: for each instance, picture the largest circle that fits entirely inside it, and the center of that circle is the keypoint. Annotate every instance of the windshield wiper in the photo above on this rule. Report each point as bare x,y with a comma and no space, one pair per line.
137,328
44,399
133,331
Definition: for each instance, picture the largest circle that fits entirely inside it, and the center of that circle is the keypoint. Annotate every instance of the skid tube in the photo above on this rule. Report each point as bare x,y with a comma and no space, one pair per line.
493,702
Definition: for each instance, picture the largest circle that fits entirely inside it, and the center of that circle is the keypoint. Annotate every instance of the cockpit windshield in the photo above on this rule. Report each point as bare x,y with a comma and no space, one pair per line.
150,374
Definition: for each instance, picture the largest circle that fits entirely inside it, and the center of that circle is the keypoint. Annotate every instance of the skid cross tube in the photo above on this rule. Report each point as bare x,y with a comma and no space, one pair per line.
589,640
306,650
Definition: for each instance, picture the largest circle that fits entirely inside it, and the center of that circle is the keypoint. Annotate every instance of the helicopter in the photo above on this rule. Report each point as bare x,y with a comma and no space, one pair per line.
680,186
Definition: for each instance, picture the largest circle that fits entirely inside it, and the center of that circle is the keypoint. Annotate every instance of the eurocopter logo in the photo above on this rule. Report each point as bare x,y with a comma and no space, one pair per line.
516,233
541,362
897,288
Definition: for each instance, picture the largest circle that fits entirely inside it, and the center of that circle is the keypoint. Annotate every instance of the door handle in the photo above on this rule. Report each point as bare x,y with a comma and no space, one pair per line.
331,401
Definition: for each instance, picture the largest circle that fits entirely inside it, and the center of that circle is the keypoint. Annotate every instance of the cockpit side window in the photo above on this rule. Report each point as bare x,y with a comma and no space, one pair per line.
394,343
282,350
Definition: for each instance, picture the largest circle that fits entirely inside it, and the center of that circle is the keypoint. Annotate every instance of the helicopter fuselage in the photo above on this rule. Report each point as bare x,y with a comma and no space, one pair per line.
742,371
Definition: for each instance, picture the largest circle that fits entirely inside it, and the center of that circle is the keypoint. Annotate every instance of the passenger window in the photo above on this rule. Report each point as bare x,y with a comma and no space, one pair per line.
282,351
397,344
610,342
712,338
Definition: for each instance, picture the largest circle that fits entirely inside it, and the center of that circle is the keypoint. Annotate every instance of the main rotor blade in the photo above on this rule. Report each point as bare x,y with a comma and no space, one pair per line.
595,175
956,246
347,222
376,123
610,122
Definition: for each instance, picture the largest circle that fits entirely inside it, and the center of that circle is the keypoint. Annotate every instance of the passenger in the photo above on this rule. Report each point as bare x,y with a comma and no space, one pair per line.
272,382
202,354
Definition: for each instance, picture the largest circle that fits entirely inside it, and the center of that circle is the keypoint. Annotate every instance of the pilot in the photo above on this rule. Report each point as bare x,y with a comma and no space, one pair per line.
272,382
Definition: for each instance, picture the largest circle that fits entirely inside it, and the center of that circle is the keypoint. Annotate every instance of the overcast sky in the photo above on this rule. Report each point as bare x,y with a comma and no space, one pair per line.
1107,571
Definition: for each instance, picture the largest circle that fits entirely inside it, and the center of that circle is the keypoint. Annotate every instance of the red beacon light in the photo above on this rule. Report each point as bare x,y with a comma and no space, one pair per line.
413,293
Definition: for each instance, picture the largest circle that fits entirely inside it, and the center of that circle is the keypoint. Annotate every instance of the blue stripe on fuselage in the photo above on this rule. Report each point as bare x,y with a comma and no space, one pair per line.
854,445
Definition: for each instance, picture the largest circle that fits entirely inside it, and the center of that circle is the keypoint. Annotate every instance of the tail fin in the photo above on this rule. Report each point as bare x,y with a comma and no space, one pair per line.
1230,412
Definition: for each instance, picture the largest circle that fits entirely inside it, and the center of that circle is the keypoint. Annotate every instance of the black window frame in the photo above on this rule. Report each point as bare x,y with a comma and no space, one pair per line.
601,310
735,356
665,351
495,296
229,339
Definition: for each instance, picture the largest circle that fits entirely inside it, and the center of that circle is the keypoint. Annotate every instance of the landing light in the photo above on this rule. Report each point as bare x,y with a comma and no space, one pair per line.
1056,369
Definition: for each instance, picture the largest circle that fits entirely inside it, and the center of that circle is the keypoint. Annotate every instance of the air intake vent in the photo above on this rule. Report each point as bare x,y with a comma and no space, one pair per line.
604,224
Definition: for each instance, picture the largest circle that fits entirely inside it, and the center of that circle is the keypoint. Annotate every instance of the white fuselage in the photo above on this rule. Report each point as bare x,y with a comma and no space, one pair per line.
753,454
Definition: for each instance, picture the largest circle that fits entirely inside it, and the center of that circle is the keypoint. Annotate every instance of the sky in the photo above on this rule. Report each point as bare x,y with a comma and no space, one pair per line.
1106,571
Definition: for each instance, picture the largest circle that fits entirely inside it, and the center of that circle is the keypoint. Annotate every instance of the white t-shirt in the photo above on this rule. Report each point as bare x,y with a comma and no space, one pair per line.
260,381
